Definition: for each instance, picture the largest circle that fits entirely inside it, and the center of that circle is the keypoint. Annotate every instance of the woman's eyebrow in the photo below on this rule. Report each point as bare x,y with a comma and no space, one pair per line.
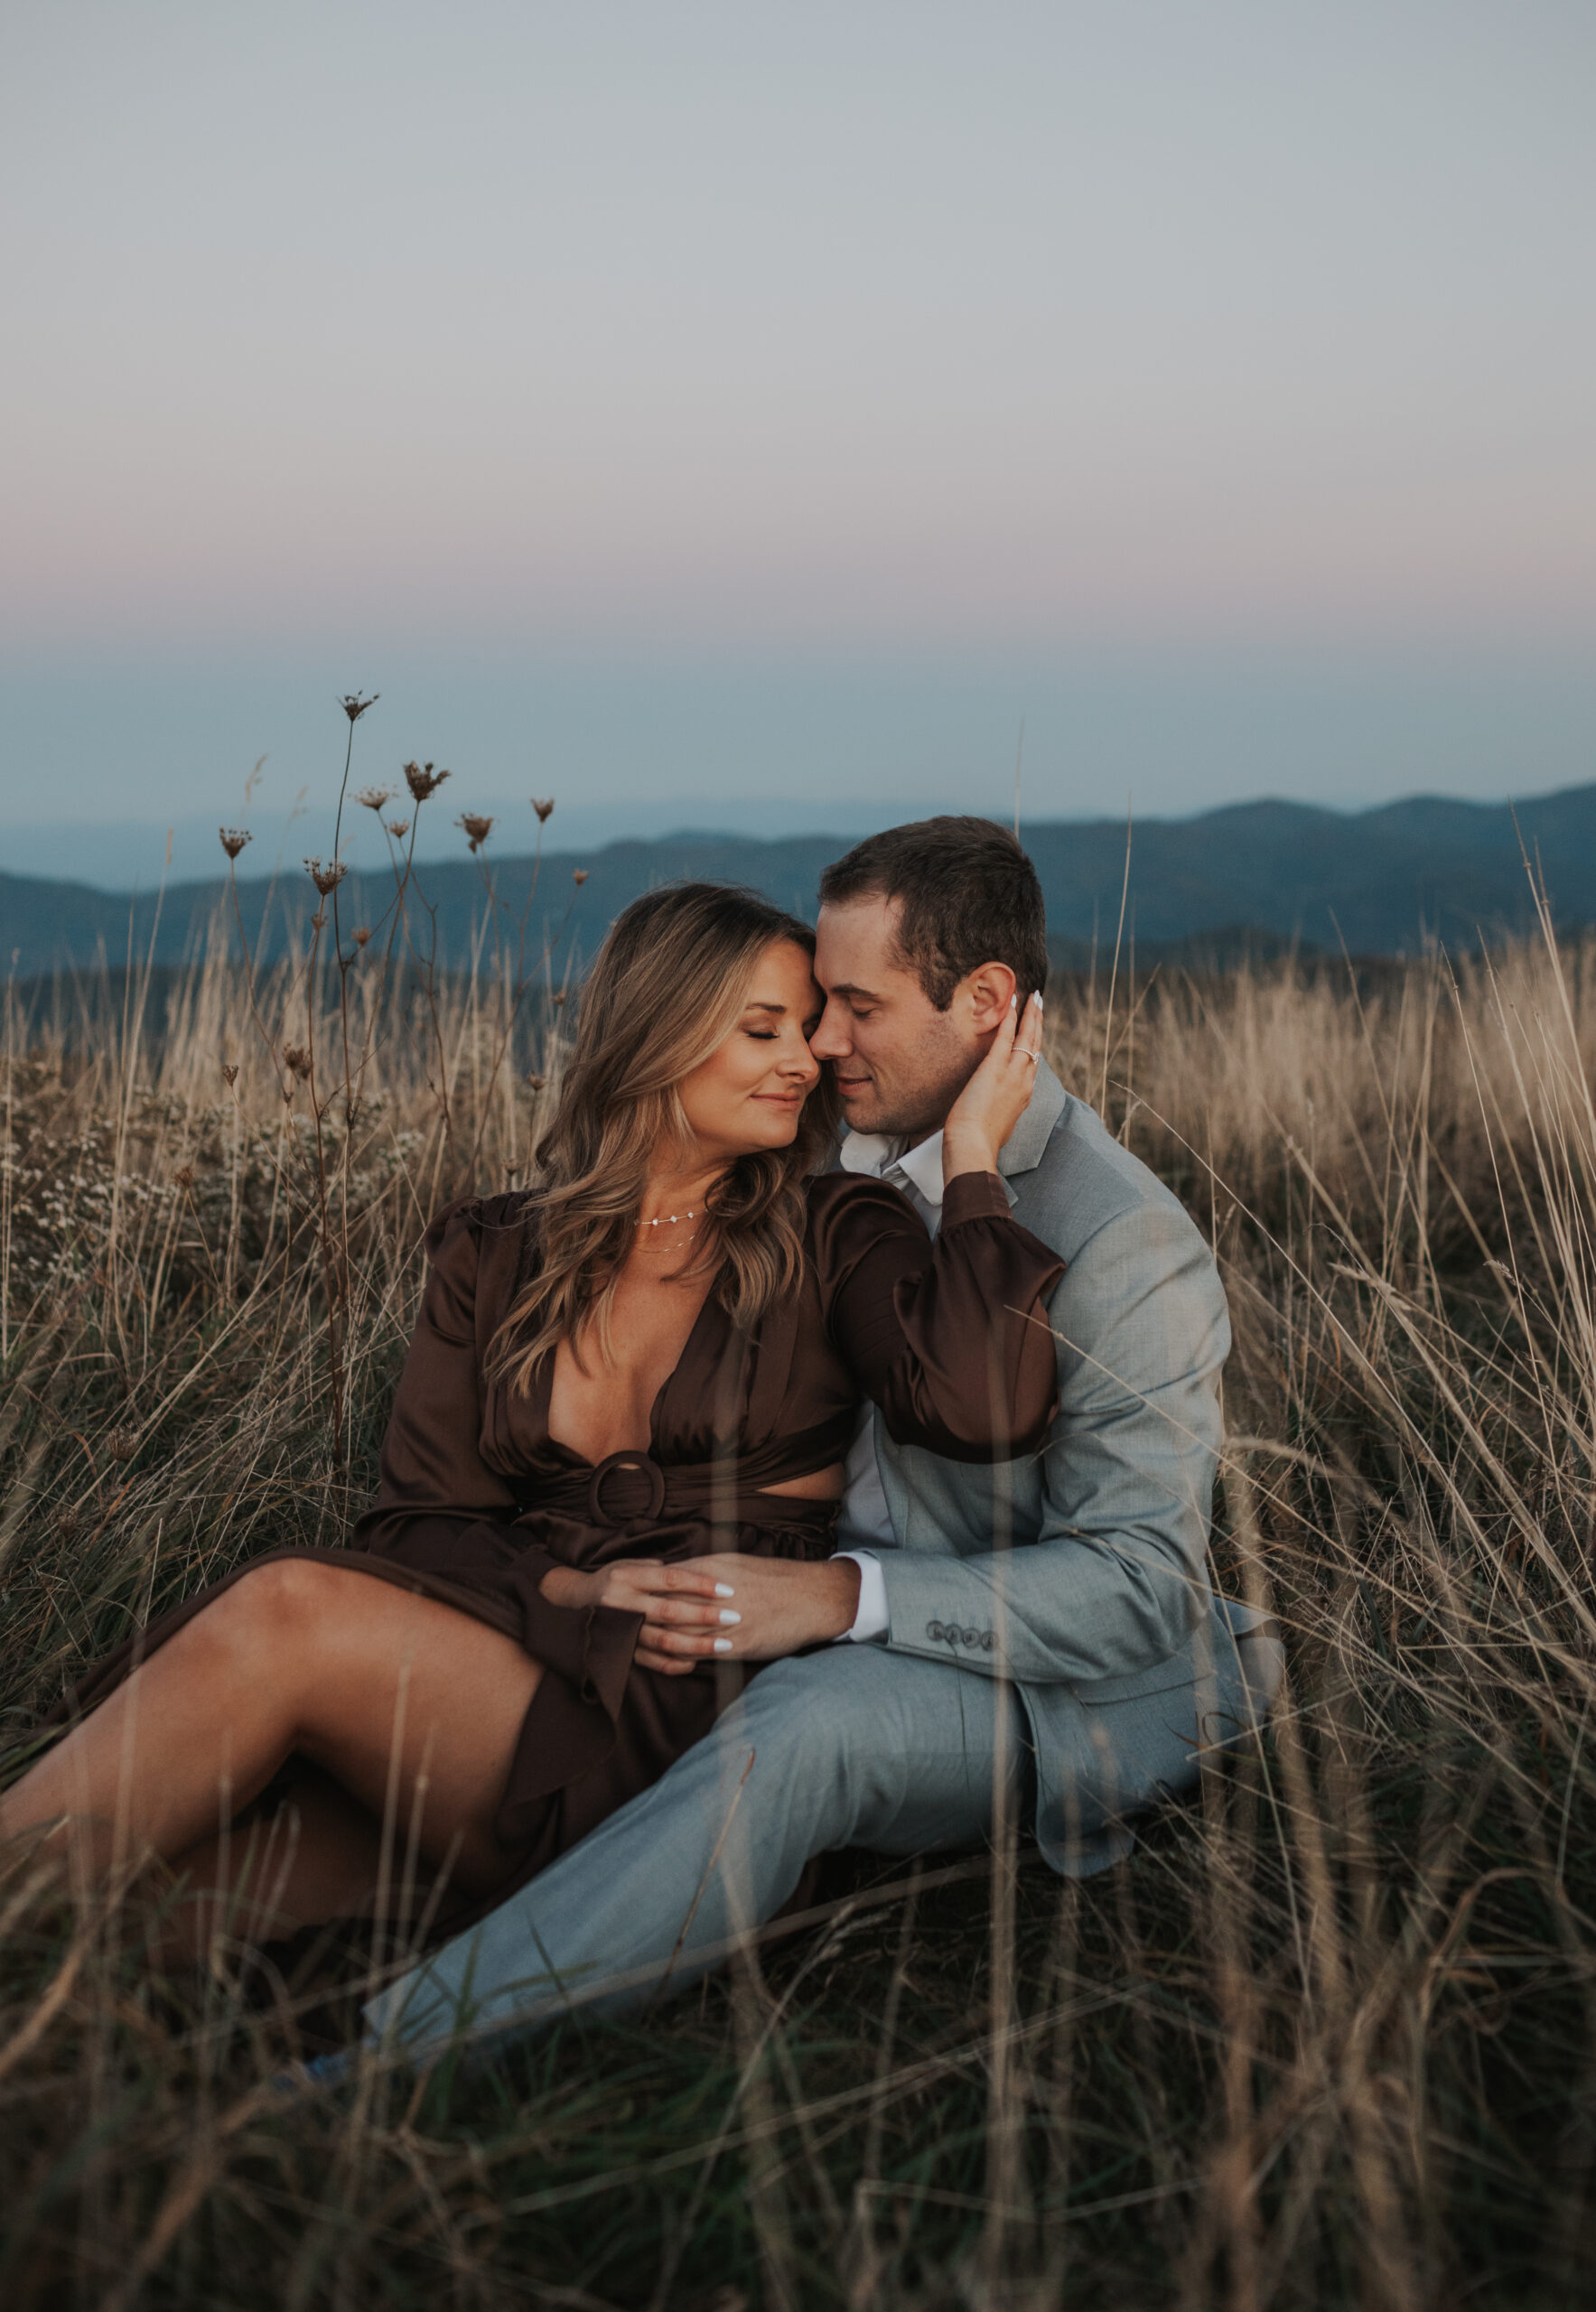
776,1009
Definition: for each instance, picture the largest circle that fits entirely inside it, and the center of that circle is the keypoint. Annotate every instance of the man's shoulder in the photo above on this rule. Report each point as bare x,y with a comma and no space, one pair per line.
1085,1180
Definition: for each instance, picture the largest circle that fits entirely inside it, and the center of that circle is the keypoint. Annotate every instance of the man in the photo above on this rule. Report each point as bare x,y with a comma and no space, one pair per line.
1035,1643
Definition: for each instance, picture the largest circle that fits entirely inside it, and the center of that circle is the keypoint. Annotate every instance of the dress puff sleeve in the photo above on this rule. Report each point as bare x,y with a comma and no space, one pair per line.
951,1337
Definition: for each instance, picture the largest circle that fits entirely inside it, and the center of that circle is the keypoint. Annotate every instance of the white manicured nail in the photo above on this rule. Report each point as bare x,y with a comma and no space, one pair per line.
725,1589
1036,997
723,1646
728,1616
1013,1003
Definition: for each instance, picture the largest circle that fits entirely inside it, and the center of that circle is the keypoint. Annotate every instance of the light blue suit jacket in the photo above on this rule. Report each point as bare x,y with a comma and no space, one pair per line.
1082,1572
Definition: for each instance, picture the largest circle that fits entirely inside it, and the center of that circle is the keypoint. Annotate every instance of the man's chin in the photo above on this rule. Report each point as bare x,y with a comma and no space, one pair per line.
871,1116
862,1116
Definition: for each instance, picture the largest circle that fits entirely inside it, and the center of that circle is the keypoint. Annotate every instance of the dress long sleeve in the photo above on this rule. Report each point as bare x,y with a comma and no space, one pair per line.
442,1511
950,1338
431,1466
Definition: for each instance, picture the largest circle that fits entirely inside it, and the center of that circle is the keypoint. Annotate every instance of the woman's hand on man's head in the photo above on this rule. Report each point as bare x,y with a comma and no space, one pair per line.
996,1096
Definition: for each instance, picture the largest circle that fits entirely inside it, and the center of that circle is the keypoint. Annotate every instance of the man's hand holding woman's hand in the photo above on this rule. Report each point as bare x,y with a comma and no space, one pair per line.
724,1608
996,1096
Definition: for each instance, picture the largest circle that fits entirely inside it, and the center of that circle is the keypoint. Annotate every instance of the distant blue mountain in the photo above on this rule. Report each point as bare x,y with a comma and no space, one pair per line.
1380,881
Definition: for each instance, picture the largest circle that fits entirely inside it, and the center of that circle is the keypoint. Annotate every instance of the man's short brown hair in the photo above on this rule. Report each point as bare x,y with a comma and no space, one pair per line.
969,896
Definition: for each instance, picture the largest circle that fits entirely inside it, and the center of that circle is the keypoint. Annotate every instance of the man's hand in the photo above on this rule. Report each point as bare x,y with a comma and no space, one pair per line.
683,1600
784,1603
727,1607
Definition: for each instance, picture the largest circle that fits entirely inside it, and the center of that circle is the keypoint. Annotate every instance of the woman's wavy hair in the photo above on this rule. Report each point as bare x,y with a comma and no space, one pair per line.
669,985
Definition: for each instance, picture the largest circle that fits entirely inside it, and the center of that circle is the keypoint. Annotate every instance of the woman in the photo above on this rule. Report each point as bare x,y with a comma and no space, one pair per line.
627,1384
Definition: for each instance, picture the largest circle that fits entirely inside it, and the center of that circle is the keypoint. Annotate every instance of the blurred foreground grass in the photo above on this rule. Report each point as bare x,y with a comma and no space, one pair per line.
1328,2038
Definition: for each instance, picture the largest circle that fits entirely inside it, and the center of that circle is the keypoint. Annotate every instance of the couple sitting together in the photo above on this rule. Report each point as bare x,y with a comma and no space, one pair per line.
820,1454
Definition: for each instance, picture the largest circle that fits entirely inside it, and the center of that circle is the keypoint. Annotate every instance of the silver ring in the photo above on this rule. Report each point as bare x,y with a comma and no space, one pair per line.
1031,1055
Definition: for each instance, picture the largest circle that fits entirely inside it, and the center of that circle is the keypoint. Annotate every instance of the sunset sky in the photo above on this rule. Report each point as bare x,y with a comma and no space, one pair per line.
770,406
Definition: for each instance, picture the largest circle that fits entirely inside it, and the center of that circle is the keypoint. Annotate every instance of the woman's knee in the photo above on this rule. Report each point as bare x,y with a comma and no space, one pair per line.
276,1610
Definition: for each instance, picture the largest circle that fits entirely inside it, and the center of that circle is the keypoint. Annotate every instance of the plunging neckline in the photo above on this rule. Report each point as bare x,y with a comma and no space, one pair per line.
650,1451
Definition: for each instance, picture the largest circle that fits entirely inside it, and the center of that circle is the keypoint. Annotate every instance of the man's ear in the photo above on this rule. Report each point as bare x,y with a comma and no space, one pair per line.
991,987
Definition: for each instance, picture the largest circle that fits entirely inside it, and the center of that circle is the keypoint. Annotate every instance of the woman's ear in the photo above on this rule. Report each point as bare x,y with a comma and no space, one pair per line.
992,988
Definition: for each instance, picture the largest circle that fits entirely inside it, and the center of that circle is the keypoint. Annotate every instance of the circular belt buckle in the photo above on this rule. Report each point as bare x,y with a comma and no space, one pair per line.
612,1462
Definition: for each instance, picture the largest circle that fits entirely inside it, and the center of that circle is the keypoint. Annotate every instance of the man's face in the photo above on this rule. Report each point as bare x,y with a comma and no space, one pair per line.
899,1063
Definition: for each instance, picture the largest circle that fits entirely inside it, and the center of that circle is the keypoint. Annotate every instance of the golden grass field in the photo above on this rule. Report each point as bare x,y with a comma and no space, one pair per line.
1328,2038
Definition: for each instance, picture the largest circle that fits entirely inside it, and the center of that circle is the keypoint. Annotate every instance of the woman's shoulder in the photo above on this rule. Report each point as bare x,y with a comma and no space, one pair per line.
473,1256
477,1227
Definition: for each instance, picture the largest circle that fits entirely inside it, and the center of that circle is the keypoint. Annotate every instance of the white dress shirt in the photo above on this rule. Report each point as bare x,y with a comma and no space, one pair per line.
864,1516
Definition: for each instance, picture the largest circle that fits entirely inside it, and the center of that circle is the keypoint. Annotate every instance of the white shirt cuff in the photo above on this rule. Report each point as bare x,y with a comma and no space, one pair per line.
871,1620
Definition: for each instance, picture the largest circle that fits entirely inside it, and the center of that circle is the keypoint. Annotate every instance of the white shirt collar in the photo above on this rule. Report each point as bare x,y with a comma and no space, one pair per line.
922,1166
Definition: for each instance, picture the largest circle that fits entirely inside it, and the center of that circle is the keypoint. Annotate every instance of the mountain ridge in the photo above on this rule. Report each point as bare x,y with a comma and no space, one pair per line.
1379,880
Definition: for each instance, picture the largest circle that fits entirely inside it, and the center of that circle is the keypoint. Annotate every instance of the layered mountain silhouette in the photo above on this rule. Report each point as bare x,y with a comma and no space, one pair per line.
1253,876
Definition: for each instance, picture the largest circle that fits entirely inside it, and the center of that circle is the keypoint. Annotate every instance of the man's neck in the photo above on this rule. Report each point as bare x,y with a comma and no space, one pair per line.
906,1138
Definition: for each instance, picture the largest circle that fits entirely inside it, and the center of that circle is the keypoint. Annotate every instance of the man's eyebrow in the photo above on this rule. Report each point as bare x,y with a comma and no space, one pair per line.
852,987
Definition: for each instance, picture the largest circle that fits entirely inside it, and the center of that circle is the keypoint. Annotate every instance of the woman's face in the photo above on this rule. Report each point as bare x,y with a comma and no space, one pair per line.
750,1092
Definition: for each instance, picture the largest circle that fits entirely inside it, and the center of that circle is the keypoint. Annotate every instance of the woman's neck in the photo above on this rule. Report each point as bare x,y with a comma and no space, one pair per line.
678,1191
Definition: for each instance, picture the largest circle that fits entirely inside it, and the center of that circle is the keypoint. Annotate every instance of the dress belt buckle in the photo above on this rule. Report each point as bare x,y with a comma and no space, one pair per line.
608,1467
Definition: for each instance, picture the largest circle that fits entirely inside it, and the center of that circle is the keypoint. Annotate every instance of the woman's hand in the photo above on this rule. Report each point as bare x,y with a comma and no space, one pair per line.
686,1607
995,1097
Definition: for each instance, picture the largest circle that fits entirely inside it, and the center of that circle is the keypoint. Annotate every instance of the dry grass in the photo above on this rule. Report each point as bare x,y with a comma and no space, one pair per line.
1329,2037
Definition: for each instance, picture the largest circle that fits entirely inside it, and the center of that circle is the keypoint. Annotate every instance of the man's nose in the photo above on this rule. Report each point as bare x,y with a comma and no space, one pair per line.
831,1039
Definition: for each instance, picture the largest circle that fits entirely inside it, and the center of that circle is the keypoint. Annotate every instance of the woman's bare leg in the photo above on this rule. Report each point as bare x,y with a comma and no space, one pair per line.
296,1859
401,1700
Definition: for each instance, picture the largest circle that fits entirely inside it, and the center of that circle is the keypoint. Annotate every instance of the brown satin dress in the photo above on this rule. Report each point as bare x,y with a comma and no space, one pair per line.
477,1501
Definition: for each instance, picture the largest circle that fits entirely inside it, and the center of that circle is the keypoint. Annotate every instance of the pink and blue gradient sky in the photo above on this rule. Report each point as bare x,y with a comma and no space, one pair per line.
933,366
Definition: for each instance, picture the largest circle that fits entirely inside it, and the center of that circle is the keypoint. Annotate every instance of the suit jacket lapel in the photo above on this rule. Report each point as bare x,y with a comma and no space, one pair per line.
1023,1149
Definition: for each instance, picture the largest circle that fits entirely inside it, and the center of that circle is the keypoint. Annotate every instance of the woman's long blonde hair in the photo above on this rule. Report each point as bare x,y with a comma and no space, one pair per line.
669,984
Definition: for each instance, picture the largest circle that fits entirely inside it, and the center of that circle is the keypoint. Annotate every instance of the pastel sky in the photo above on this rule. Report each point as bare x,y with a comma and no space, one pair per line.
857,337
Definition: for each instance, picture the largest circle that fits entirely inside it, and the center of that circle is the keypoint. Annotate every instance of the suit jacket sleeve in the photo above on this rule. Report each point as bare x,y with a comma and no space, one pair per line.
1117,1577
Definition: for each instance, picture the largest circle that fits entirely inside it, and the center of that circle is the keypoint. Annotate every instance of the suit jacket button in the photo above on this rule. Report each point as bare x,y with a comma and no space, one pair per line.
986,1640
972,1637
935,1632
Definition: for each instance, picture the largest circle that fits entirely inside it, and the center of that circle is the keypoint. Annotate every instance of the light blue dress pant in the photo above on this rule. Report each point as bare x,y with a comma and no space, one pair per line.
853,1747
